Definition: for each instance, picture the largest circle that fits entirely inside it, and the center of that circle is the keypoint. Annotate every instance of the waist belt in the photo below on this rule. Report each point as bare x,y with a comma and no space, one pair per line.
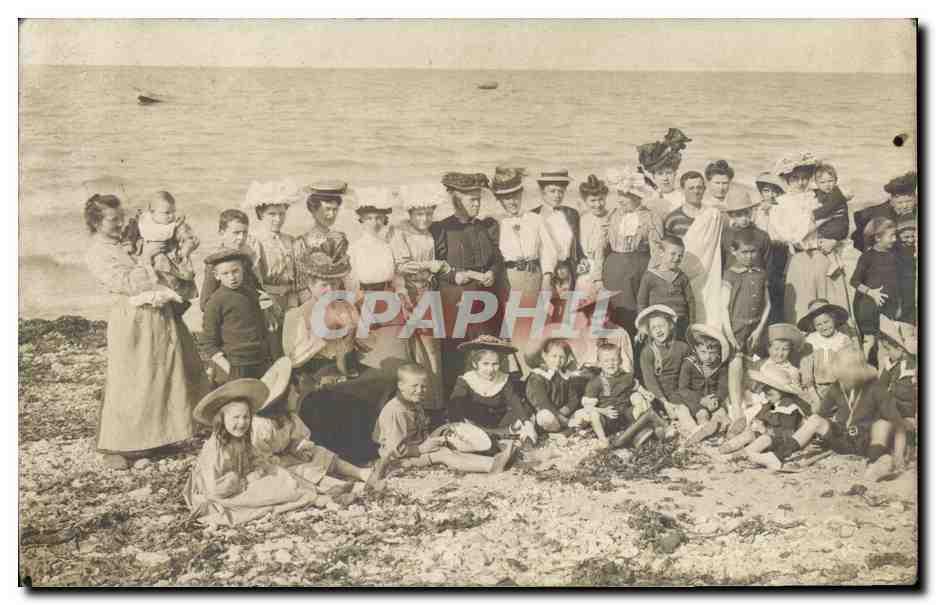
531,265
384,285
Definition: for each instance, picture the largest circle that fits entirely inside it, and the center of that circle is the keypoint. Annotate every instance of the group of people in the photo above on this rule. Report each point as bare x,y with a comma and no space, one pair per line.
721,316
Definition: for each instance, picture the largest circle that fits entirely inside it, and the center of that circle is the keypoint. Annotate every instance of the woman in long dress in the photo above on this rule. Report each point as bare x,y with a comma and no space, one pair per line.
634,234
415,259
154,374
809,272
561,225
323,203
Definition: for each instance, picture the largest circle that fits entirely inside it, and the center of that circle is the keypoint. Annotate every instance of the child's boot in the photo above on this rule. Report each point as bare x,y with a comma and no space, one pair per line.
503,457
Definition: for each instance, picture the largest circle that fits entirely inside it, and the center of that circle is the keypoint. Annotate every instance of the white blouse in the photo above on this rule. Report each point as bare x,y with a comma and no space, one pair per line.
521,237
558,239
371,260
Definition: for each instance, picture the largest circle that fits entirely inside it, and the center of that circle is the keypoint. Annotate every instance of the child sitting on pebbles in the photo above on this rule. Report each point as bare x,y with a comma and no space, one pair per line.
230,482
898,345
548,388
769,436
402,431
822,324
661,359
617,405
703,382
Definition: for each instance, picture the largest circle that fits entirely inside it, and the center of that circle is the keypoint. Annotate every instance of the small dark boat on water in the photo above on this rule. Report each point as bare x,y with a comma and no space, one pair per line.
145,100
488,85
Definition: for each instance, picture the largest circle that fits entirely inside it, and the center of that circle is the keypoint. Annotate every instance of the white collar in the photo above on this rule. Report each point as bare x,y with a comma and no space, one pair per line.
548,374
484,387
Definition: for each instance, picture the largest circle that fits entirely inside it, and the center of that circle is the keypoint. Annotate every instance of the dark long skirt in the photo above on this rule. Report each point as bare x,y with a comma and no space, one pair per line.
342,416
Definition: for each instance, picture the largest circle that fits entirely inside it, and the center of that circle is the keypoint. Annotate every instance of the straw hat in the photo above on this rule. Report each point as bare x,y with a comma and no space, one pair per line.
464,437
769,178
628,181
554,176
644,316
490,343
791,161
775,379
247,390
738,198
276,380
817,307
903,334
785,332
696,330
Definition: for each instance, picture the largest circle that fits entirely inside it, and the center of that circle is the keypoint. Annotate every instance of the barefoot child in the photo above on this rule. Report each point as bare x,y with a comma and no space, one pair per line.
666,284
402,431
235,328
781,415
857,415
744,317
547,387
703,382
615,404
822,324
662,358
876,280
281,438
898,342
485,395
230,483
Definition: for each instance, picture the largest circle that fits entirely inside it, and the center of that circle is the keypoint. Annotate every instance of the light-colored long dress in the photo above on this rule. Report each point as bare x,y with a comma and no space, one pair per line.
286,441
594,244
807,275
215,490
521,244
154,374
415,248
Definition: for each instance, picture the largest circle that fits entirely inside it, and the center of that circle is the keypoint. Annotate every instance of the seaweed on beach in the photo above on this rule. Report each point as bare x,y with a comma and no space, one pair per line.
658,531
67,328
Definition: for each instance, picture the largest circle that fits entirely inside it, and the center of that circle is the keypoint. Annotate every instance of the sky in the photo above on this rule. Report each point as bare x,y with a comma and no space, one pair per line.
884,46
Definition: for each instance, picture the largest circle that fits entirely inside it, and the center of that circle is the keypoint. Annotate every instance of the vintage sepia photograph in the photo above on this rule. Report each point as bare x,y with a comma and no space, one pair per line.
492,303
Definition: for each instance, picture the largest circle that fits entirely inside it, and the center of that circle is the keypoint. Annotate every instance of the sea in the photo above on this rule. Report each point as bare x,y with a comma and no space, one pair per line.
81,130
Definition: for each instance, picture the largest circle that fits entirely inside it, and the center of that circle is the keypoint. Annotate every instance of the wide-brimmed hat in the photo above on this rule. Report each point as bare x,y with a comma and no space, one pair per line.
226,254
485,341
663,154
554,176
645,315
769,178
417,197
905,184
275,193
320,265
464,437
249,390
626,180
785,332
696,330
817,307
507,180
849,365
276,380
903,334
533,354
465,182
775,379
739,198
790,162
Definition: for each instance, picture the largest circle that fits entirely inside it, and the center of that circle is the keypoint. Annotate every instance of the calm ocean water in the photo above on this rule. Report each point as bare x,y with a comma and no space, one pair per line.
221,128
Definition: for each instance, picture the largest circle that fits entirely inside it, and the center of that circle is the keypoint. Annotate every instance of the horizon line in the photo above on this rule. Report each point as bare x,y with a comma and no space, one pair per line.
488,69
